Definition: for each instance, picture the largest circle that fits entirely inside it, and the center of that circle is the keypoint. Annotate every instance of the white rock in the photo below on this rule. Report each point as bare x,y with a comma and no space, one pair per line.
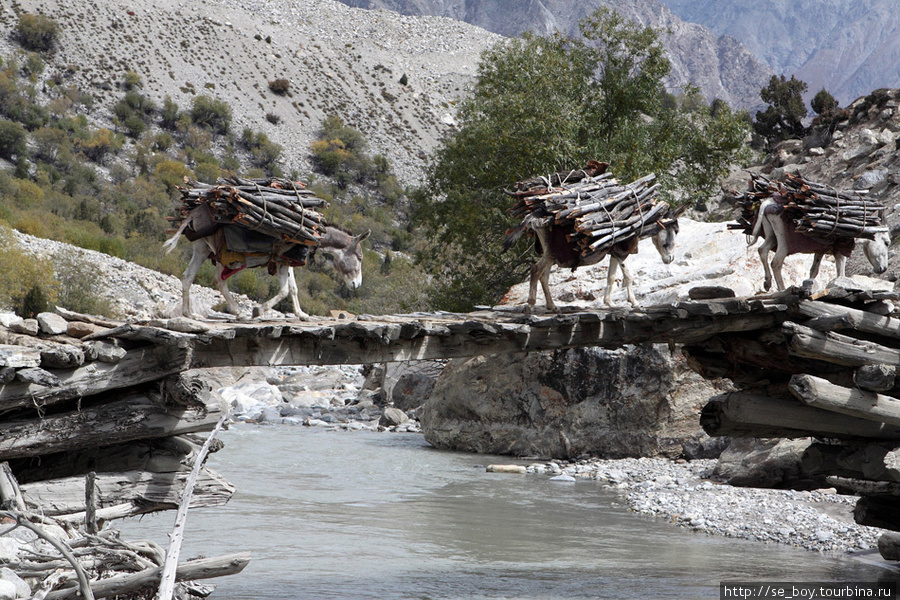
52,323
23,590
7,590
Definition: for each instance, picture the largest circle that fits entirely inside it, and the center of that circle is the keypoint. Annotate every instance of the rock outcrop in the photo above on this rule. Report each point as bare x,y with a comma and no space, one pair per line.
636,401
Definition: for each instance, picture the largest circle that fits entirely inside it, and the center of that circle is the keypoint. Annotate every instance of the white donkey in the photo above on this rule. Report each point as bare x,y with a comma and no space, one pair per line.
780,235
555,249
341,245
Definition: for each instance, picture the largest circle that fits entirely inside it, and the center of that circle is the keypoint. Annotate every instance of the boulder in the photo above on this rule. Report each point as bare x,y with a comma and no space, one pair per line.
632,402
392,417
407,385
769,463
52,323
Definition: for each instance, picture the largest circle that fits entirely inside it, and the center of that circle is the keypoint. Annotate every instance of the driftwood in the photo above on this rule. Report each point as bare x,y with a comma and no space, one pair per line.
167,585
200,568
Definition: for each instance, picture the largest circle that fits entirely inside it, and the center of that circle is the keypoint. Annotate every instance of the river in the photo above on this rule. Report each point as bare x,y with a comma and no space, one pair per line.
357,515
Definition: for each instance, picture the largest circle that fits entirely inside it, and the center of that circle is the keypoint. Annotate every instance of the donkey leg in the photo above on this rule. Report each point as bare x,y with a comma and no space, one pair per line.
777,264
627,280
764,250
295,300
187,279
222,284
816,263
283,289
610,280
840,263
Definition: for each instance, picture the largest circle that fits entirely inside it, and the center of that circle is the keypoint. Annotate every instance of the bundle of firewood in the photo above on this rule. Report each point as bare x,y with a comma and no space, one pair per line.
815,209
279,208
596,209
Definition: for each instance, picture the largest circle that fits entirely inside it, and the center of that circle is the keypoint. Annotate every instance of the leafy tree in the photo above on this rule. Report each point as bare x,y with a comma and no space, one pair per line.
546,104
783,117
823,103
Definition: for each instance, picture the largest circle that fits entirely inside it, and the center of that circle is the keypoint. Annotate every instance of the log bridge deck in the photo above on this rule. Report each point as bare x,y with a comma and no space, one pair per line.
820,367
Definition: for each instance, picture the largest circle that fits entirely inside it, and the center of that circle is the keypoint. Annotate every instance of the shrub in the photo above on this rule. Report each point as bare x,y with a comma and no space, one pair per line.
273,118
78,285
12,140
169,114
280,86
22,272
101,143
211,113
36,32
132,80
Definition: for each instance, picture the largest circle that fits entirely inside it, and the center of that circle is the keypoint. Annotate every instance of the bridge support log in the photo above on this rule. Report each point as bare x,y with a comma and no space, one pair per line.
818,392
742,414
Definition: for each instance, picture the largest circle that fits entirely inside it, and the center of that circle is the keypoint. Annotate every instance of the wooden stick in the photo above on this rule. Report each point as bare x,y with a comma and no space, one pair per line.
167,585
201,568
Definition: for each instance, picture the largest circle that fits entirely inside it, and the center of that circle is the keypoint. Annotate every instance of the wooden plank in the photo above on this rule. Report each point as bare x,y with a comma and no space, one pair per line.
133,418
818,392
140,365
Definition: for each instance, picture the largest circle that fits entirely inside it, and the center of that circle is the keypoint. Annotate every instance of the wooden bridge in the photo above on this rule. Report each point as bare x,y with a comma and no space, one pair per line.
802,366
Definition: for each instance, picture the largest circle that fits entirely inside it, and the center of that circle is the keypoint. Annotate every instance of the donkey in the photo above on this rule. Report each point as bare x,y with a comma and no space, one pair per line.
341,245
780,234
555,249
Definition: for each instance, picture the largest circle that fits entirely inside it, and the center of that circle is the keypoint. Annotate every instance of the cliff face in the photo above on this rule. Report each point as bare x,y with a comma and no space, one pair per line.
719,65
849,47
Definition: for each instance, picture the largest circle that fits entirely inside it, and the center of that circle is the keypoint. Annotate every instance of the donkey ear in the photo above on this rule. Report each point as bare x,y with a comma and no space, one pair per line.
363,236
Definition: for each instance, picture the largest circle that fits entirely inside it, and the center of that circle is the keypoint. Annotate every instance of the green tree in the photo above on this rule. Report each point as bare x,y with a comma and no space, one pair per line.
546,104
823,103
783,118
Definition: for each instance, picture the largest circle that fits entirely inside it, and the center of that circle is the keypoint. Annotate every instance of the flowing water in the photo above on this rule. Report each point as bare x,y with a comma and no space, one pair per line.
355,515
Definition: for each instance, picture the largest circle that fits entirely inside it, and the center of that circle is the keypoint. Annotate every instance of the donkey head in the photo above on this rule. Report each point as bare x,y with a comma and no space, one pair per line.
664,241
346,253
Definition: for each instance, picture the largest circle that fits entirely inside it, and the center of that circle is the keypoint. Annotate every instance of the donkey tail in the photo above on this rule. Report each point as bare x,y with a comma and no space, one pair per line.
172,242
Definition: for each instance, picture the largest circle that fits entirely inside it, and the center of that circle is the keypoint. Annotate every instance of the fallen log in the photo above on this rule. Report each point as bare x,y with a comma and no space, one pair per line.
200,568
838,349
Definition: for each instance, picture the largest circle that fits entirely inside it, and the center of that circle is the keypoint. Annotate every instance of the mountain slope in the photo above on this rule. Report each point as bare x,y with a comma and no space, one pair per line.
339,61
849,47
719,65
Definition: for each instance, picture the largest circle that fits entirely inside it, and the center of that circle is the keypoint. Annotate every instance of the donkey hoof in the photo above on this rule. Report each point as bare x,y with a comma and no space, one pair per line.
257,312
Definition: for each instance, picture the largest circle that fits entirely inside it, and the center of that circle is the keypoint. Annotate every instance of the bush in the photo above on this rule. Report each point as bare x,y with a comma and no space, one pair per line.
169,114
280,86
23,273
78,285
12,140
211,113
37,32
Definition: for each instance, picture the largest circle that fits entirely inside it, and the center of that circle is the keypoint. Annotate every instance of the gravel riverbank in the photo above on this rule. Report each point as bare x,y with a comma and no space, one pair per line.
685,494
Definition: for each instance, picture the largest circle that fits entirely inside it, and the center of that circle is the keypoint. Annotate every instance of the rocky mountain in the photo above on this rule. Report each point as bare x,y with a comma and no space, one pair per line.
339,61
718,64
849,47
